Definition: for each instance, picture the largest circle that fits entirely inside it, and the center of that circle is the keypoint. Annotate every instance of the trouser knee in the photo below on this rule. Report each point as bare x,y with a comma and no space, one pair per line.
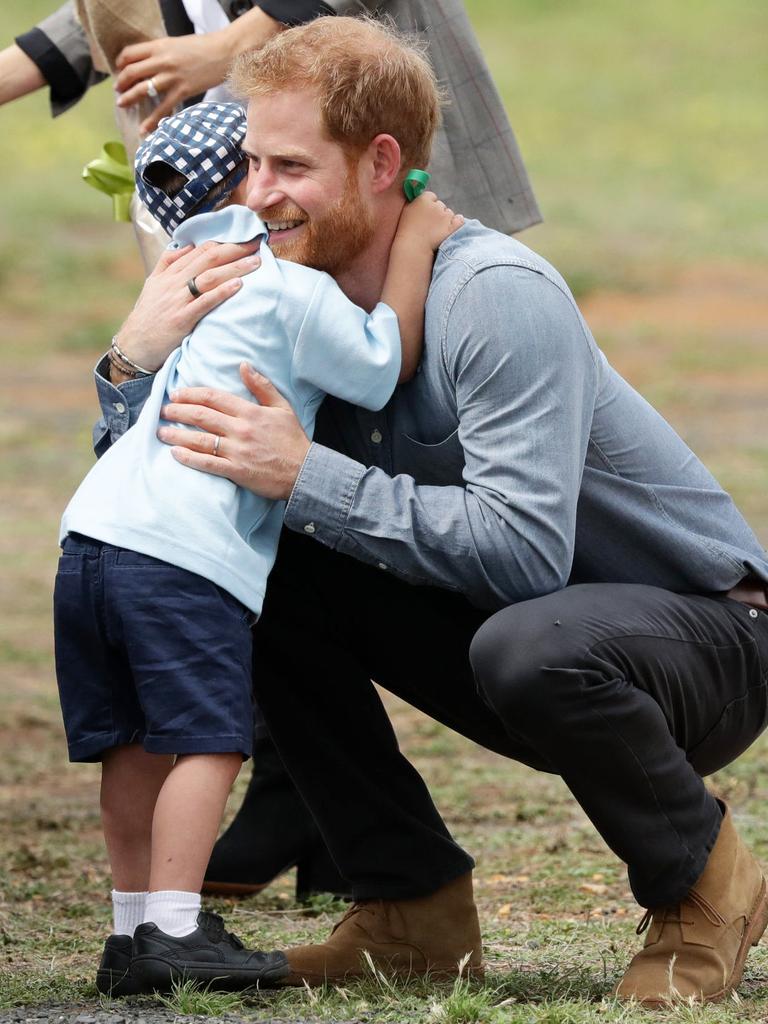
507,662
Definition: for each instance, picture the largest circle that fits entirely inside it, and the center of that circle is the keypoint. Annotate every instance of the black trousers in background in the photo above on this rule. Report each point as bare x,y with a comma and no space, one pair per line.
630,693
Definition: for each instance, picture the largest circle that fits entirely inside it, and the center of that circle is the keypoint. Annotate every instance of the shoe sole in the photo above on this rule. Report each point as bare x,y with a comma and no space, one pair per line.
214,888
154,974
758,922
234,888
116,984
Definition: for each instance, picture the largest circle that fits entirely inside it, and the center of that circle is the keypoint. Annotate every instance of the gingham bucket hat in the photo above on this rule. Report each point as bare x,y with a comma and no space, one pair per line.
203,143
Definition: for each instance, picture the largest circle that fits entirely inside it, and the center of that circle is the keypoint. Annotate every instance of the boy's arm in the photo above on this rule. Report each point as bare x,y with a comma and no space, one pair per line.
345,351
424,224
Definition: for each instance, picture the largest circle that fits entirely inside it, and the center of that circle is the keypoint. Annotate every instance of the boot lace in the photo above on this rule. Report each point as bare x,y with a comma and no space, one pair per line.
711,913
213,926
356,908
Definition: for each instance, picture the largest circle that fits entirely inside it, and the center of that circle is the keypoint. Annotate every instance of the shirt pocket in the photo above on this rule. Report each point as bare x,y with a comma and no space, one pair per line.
440,464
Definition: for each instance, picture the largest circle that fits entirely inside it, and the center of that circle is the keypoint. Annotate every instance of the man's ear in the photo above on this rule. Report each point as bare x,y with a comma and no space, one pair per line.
383,155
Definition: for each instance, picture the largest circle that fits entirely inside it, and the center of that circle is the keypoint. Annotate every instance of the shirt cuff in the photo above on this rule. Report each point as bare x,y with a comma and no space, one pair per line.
322,496
120,403
295,12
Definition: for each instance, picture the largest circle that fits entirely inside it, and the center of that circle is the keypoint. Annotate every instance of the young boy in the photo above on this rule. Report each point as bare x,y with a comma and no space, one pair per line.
163,569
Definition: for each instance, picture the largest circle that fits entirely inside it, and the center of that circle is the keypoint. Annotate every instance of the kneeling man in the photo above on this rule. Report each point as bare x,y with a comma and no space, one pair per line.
518,544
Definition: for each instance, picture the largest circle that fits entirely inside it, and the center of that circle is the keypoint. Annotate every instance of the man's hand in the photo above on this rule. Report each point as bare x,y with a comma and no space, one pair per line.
166,311
260,447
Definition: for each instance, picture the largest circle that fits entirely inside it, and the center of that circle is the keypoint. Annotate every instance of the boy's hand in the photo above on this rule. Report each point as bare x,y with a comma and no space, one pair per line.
427,221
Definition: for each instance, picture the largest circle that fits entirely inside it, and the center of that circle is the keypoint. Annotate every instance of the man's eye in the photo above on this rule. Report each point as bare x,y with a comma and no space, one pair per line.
292,165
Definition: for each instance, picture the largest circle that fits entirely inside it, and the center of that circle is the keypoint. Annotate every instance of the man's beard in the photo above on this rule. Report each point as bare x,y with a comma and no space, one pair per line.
333,239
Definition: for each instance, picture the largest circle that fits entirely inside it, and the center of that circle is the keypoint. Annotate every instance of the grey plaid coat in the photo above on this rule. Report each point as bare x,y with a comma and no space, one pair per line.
476,164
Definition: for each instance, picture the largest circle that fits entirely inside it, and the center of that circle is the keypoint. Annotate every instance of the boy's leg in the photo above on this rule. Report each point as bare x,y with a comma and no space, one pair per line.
187,815
177,941
131,780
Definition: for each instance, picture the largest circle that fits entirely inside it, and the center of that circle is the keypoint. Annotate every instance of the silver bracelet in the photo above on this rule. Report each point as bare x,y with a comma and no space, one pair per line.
129,362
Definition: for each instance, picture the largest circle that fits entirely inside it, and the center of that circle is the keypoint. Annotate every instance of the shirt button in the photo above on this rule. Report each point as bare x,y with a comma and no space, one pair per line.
753,613
376,436
119,407
383,566
309,528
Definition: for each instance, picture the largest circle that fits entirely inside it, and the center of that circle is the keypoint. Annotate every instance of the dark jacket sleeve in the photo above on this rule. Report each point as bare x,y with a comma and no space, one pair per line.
296,12
60,50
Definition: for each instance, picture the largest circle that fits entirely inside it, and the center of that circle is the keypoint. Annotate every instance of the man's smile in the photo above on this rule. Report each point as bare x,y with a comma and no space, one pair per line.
283,230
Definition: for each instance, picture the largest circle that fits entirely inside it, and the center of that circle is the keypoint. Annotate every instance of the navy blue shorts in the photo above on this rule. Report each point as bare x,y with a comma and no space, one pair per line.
148,653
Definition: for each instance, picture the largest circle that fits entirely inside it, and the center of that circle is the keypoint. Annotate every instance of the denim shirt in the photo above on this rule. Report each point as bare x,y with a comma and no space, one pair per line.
515,461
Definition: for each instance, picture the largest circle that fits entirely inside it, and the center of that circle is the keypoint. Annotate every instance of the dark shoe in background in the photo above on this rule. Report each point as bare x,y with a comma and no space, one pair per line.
210,955
114,977
272,832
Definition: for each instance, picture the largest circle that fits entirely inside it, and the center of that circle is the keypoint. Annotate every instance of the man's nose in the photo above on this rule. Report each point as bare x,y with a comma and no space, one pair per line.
263,190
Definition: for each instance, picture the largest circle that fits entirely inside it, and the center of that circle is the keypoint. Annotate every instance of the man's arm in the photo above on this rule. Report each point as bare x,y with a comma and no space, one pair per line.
524,374
525,378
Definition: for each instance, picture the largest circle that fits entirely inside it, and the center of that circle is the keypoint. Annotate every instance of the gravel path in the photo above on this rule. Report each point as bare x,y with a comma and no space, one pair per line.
67,1013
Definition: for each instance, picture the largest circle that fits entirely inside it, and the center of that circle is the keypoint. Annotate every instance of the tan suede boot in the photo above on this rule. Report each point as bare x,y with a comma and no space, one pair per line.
697,948
426,935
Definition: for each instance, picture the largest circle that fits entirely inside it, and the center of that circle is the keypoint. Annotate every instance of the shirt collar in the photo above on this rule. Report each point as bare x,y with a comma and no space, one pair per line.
232,224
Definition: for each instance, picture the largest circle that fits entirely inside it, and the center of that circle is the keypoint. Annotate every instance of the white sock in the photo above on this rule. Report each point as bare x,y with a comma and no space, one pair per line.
127,911
174,913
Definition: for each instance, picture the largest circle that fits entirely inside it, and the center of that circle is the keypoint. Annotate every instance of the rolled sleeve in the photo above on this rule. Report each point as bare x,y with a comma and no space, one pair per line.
120,405
60,50
323,494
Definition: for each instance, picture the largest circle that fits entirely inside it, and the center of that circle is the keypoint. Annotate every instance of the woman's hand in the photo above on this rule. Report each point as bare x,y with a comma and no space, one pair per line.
259,447
179,67
166,310
184,66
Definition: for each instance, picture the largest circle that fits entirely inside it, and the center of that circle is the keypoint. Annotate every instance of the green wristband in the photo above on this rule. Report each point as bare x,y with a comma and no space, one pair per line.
415,183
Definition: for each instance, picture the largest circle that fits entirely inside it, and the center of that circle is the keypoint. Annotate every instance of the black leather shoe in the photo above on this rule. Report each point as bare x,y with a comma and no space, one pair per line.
114,978
209,955
272,832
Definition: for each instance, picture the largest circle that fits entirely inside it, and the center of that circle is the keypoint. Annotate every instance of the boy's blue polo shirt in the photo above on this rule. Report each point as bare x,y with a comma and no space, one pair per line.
297,328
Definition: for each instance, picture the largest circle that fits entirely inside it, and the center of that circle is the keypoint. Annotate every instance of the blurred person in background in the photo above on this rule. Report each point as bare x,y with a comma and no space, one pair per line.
173,54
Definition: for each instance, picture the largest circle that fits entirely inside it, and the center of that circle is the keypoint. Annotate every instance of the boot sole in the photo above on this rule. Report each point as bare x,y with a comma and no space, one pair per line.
758,922
154,974
314,978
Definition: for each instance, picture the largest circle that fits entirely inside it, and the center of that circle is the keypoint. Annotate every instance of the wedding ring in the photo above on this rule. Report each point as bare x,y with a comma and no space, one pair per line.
194,290
216,444
152,91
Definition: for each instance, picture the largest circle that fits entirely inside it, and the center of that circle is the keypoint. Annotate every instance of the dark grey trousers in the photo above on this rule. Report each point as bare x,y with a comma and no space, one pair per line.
630,693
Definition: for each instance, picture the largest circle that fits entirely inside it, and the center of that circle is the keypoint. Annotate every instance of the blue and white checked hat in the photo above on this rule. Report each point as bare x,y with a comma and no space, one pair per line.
203,143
